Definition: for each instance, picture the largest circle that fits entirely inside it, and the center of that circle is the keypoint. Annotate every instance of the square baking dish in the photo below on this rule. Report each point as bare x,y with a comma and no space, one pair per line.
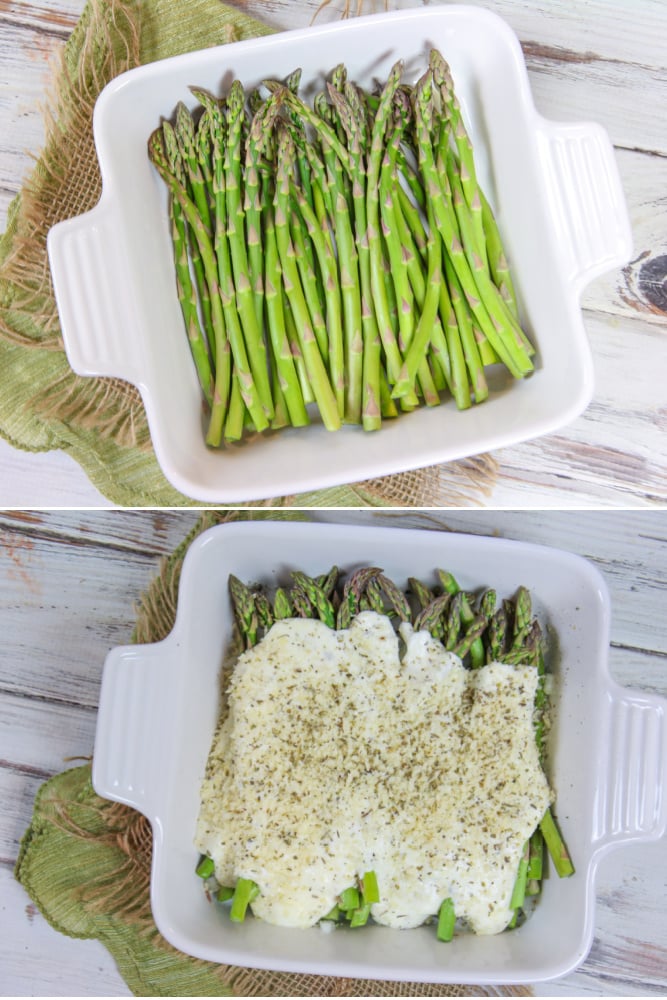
607,759
554,188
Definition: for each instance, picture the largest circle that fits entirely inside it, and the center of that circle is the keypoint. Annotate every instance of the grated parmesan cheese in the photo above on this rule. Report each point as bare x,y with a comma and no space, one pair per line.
351,750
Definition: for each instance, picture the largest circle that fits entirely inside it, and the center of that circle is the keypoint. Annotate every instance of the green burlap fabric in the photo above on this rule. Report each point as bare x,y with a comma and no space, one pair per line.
101,422
85,862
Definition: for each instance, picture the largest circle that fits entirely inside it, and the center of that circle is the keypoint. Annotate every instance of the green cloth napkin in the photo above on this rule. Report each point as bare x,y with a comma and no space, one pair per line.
85,862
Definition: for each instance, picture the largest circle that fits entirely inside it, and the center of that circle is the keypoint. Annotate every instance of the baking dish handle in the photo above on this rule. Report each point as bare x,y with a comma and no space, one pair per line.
586,199
131,742
92,287
631,800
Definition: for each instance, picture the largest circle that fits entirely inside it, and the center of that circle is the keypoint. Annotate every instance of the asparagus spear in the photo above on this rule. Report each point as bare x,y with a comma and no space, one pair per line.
352,593
317,597
317,372
246,890
187,294
370,892
446,920
276,324
423,112
519,890
396,597
262,123
206,867
282,606
360,915
349,899
431,616
420,591
246,387
353,126
329,581
178,191
536,856
332,295
238,252
482,295
553,839
244,610
380,124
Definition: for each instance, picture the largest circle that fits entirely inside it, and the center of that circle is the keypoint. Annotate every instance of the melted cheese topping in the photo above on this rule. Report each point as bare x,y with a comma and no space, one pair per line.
338,755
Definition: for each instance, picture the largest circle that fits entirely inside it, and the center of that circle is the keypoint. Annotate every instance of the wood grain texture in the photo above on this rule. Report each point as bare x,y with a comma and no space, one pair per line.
599,61
86,571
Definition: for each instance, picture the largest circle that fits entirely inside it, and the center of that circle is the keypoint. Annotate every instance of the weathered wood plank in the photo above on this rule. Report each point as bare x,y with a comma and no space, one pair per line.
639,289
18,790
37,960
37,736
616,448
49,479
70,604
150,533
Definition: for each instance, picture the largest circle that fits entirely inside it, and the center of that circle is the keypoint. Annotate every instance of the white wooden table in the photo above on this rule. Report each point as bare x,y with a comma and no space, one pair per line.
68,585
597,61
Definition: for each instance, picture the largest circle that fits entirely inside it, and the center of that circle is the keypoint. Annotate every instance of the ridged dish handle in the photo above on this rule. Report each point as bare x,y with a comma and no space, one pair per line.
586,199
92,287
137,700
631,802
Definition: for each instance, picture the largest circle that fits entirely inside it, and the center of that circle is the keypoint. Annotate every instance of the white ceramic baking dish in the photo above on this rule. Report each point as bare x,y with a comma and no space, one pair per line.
607,762
554,187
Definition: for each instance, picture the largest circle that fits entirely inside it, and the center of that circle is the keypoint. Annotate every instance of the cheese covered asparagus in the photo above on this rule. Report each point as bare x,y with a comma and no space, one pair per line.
358,749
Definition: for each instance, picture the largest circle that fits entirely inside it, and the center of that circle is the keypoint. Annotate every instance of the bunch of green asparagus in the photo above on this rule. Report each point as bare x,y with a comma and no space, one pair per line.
476,627
340,253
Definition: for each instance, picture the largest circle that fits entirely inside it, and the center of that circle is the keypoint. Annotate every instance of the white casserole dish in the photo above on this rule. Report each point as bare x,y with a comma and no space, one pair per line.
159,706
554,187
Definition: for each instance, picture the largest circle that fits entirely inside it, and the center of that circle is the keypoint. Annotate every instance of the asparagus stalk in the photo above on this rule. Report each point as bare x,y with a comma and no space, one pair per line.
317,373
370,892
187,297
431,616
244,611
159,159
206,867
396,597
353,124
420,591
553,839
246,890
246,387
329,581
446,920
317,597
238,251
482,295
349,899
262,123
380,124
423,112
536,856
332,294
519,890
282,606
276,326
360,915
